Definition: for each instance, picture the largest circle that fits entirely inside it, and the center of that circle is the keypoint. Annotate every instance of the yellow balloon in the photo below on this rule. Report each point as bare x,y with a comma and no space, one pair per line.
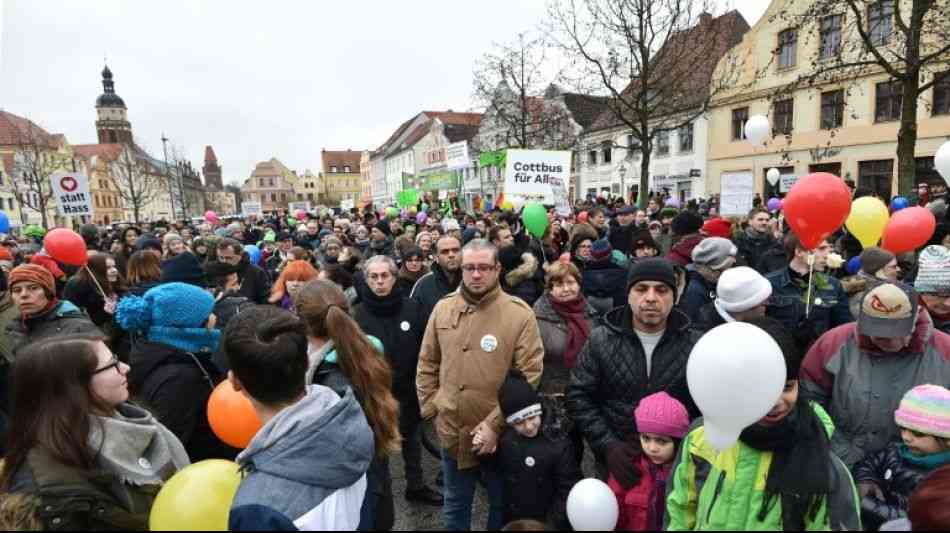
867,220
198,498
507,206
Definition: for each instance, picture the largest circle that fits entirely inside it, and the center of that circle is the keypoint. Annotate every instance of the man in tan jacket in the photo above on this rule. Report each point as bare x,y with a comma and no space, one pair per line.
473,338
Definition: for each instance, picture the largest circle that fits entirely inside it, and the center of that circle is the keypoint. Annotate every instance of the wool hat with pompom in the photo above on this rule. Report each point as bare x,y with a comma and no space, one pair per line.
925,409
172,313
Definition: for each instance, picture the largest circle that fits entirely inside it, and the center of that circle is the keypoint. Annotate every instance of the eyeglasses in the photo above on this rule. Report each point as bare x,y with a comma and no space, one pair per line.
114,363
482,269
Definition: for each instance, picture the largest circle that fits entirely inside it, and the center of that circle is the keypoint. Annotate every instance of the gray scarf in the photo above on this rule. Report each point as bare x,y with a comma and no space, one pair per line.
135,448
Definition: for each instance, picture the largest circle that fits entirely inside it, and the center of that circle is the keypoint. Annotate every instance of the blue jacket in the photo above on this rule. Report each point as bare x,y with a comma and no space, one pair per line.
307,466
698,294
829,307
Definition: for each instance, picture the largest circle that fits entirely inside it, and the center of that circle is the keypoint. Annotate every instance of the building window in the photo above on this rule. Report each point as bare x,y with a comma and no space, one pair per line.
685,135
942,94
831,36
592,157
787,44
607,149
877,176
310,196
832,109
346,169
633,147
889,98
333,169
784,117
739,118
663,142
880,21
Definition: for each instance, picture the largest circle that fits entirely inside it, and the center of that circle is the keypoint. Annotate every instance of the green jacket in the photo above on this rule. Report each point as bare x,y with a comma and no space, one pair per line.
724,491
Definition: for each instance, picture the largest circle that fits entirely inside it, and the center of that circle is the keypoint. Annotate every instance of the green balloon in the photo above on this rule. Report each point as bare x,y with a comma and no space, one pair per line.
392,212
535,218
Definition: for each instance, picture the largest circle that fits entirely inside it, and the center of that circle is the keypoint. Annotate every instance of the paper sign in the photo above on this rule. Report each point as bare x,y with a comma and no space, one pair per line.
251,208
71,191
528,174
561,204
788,181
293,207
737,194
346,205
456,156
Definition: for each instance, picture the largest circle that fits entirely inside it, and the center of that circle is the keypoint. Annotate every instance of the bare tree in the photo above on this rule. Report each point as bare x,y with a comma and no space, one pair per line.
37,155
909,40
655,59
137,182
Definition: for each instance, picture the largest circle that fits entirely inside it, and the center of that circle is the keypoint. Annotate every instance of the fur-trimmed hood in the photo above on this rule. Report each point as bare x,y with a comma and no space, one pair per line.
524,272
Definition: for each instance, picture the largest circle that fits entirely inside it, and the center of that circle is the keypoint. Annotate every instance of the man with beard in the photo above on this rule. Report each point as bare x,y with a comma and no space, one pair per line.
755,240
444,278
475,336
255,286
397,321
640,349
623,228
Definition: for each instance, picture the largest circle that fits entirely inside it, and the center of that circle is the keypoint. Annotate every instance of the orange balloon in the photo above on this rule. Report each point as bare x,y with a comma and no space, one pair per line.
232,417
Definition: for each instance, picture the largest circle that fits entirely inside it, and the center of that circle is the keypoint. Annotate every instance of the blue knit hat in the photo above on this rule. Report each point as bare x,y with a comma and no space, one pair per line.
173,314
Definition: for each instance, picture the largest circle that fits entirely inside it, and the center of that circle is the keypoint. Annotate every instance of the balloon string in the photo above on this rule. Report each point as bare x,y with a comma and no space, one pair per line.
96,281
811,282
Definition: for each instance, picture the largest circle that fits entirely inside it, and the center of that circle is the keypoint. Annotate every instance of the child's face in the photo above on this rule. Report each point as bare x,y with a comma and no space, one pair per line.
658,448
528,428
921,444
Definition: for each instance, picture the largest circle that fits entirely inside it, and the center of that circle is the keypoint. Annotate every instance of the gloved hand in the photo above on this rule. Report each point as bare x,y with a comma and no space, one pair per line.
870,488
622,459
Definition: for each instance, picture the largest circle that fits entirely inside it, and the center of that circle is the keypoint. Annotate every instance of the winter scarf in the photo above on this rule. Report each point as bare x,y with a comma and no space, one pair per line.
755,235
386,306
800,474
927,462
134,447
412,277
578,327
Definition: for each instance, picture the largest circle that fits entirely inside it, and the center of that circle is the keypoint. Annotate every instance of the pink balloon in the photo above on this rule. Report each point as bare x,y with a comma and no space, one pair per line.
211,217
301,215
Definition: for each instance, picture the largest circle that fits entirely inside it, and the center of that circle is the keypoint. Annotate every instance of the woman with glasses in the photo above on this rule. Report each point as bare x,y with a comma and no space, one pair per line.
413,267
79,456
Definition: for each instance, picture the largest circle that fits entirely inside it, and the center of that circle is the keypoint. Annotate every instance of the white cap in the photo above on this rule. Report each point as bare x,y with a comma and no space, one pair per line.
742,288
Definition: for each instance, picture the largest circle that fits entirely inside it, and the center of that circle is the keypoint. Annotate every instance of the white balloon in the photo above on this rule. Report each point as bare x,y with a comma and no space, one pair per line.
592,506
942,161
735,373
757,129
773,175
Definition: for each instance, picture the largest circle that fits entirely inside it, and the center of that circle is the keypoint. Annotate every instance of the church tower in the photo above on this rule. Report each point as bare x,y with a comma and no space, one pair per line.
112,124
212,171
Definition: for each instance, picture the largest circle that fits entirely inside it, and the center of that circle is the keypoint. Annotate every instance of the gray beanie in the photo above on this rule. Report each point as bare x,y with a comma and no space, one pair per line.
874,259
933,272
714,252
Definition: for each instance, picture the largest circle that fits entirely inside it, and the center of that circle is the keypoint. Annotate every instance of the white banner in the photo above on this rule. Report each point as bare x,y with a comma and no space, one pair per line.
456,156
71,191
788,181
346,205
528,174
251,208
293,207
737,194
561,203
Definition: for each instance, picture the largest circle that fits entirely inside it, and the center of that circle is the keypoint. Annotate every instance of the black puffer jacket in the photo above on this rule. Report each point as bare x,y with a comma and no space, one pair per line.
399,324
175,385
751,249
610,377
431,288
771,260
603,283
708,318
523,281
897,479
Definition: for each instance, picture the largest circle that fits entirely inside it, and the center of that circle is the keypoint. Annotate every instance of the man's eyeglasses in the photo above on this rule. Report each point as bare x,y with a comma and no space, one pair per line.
114,363
482,269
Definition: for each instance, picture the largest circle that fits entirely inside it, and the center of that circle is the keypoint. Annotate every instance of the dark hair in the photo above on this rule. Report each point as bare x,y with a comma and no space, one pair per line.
99,267
495,230
266,348
51,403
144,267
792,349
338,274
324,309
927,508
596,211
232,244
756,211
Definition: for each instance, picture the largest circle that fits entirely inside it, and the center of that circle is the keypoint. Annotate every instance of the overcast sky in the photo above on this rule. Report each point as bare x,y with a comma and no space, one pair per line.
253,79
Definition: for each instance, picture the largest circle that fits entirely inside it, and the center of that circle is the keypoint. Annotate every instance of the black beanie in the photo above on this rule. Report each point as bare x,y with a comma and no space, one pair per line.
518,397
792,348
687,223
383,226
652,269
184,268
147,242
509,257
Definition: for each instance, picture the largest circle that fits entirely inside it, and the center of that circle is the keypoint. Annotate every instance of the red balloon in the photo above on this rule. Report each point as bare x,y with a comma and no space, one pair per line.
816,207
908,229
65,246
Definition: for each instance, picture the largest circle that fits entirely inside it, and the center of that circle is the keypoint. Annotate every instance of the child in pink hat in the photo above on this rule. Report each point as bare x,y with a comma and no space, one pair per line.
662,422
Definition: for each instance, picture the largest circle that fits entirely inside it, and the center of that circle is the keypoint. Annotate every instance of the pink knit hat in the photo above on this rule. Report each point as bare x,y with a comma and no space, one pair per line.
662,414
926,409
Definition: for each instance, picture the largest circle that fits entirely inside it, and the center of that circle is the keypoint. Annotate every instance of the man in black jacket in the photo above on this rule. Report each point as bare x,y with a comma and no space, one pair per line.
445,277
622,230
398,323
255,285
753,242
640,349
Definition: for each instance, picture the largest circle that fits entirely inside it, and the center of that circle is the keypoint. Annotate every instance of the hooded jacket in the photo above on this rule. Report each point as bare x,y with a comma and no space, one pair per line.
522,281
307,466
713,491
611,378
861,387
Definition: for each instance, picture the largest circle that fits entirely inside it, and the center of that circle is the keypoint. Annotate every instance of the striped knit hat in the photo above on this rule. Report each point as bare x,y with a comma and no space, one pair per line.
925,409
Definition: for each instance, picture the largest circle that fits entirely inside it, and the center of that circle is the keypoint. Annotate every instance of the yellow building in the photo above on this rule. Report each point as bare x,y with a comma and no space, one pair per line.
309,188
98,161
848,127
341,176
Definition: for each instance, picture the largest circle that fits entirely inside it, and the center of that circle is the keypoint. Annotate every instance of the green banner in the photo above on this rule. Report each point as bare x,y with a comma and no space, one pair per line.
436,181
408,197
493,159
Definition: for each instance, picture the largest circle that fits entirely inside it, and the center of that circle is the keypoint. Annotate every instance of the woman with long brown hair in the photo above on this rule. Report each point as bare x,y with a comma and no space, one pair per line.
342,356
79,456
86,288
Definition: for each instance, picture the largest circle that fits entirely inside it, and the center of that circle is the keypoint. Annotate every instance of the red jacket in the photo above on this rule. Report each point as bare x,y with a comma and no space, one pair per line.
642,507
682,251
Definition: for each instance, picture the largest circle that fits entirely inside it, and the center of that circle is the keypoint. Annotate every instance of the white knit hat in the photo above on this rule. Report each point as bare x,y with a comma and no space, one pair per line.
741,289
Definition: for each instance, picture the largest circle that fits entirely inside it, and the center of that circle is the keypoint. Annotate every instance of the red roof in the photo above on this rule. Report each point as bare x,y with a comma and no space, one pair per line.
16,130
451,117
340,159
209,155
108,151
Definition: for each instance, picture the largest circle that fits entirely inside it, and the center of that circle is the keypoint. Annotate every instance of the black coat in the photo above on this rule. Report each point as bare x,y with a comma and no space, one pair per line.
897,479
397,322
603,283
708,318
175,386
771,260
610,377
84,294
255,284
751,250
621,237
431,288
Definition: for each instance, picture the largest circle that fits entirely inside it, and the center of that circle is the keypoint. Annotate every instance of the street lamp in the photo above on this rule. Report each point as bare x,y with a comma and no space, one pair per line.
623,188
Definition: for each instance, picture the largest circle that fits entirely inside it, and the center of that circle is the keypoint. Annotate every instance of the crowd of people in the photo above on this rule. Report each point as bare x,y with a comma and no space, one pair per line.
348,331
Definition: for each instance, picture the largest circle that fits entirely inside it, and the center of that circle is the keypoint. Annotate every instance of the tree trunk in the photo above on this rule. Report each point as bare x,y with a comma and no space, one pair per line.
643,195
907,137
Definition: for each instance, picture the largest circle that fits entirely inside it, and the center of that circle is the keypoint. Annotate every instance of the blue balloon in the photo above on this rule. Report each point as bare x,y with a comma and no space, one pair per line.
899,203
254,253
854,265
4,223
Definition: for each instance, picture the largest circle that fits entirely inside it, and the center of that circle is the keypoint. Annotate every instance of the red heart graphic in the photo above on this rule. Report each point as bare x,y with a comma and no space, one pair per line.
69,184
